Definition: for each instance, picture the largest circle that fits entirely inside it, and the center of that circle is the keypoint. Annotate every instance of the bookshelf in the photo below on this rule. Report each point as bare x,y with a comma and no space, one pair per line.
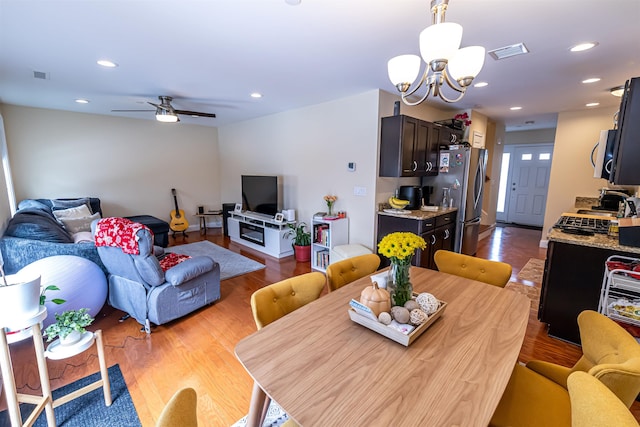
325,235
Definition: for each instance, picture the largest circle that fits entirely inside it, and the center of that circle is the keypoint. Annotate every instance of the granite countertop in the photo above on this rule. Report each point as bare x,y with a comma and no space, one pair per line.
419,215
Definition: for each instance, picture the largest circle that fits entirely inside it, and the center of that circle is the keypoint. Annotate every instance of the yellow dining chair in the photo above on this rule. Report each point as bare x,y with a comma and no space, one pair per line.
270,303
483,270
346,271
594,405
274,301
181,410
537,393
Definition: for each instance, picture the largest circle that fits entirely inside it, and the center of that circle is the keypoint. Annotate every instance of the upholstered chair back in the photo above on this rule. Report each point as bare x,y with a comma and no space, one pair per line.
143,268
346,271
483,270
181,410
593,404
610,354
279,299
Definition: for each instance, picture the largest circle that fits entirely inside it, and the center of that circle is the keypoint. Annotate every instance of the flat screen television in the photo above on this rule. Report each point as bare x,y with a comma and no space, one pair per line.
260,194
626,143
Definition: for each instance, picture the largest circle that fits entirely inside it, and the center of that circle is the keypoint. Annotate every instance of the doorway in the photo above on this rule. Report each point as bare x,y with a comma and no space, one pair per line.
524,183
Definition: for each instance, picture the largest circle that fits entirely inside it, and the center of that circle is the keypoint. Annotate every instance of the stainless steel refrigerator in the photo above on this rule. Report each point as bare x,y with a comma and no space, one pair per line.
462,170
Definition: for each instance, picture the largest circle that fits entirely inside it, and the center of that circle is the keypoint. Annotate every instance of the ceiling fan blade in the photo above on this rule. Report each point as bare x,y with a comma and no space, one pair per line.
129,111
195,113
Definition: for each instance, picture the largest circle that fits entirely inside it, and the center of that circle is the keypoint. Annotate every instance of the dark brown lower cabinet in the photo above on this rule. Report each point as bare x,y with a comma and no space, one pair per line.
571,283
438,232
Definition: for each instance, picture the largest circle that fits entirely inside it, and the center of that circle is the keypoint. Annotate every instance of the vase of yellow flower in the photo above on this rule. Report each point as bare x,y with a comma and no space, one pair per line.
330,201
400,247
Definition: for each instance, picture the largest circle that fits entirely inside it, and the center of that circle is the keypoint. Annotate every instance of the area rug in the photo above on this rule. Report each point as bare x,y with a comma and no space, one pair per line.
532,270
89,410
275,417
231,263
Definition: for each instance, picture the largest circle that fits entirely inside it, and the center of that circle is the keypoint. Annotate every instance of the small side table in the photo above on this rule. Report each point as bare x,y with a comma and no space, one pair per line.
44,402
203,219
56,351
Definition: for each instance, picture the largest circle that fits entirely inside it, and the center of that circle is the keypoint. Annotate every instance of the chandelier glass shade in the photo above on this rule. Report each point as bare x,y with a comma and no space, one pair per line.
446,63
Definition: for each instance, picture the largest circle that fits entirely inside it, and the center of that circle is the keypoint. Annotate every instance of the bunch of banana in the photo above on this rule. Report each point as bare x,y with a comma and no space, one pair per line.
398,203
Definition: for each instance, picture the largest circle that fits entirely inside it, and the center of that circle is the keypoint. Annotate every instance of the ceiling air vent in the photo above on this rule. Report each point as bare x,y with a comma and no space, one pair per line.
40,75
508,51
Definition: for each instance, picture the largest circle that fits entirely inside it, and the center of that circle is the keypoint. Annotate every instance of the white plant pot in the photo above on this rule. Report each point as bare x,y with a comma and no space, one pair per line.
20,300
71,339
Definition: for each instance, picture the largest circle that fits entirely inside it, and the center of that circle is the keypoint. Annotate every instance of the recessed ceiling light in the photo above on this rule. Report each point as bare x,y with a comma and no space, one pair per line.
591,80
583,46
481,84
107,63
82,101
293,2
515,108
592,104
256,95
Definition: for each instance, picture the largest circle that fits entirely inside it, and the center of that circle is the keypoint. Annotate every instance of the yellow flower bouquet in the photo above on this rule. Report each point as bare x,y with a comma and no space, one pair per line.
400,247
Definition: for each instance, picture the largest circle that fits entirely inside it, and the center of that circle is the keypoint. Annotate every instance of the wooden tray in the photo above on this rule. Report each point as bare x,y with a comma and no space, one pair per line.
394,334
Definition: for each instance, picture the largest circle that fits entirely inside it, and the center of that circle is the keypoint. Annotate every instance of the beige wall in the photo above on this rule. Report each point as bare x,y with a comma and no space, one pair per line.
571,170
309,148
494,138
131,165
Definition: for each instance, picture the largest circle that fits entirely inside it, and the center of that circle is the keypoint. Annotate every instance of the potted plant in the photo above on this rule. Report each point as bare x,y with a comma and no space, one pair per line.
19,297
301,241
69,326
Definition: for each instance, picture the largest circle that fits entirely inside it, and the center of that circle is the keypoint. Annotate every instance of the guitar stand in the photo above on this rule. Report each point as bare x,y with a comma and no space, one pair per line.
184,234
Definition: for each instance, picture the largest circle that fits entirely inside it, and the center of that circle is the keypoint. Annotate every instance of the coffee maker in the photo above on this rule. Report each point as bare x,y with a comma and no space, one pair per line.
413,194
427,191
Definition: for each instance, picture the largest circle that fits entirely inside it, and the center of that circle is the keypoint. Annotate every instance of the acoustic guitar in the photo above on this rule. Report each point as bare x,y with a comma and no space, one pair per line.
178,221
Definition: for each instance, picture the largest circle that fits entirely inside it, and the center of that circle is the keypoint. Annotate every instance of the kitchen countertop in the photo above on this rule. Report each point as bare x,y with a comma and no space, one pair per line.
420,215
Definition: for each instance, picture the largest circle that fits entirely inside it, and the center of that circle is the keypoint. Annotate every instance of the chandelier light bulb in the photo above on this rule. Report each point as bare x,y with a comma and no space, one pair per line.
440,41
467,63
403,69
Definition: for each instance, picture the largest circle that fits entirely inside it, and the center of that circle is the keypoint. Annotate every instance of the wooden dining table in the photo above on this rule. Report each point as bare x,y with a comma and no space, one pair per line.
325,370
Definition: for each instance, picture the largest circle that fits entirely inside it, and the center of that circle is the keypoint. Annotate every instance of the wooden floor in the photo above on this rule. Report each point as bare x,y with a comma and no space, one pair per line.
198,350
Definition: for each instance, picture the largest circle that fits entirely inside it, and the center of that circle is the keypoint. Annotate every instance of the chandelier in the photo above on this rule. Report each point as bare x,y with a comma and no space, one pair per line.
445,60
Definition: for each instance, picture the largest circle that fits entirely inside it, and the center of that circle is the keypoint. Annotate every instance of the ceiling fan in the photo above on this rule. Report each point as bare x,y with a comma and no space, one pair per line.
167,114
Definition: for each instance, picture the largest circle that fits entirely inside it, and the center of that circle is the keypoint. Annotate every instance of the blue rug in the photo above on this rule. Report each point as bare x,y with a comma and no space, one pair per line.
89,410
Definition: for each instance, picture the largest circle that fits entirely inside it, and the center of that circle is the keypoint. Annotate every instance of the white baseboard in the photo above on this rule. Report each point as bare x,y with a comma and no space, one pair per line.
486,233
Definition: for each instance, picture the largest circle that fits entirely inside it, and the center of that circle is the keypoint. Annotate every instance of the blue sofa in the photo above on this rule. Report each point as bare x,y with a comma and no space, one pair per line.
34,233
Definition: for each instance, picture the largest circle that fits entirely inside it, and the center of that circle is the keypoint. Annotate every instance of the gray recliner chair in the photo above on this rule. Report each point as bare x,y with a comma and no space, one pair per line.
139,287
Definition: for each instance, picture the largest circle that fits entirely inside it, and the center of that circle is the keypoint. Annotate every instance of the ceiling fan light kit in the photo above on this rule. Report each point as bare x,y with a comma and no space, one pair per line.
445,61
167,114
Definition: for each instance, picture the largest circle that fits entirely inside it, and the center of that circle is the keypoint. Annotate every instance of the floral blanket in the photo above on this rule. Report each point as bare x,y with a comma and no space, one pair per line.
171,260
120,233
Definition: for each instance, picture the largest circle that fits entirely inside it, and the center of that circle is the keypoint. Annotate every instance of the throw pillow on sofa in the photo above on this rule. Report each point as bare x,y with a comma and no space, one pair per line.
76,225
81,211
57,204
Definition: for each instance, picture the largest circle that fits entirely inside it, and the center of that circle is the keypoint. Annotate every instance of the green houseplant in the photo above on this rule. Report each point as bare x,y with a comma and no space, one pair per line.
69,323
301,241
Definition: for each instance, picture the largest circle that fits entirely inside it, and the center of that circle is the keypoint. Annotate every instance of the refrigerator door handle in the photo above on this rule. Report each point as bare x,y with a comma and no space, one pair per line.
479,181
472,221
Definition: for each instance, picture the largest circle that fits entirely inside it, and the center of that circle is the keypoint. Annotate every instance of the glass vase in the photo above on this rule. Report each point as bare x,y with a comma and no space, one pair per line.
399,282
330,209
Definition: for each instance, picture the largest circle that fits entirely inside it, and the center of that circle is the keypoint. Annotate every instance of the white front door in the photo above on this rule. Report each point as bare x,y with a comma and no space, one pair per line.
528,183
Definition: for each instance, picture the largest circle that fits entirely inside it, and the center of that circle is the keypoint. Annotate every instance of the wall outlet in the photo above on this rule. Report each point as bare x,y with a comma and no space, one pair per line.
359,191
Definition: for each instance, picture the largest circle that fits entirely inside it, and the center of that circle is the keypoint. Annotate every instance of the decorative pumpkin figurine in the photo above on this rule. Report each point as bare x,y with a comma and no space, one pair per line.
378,300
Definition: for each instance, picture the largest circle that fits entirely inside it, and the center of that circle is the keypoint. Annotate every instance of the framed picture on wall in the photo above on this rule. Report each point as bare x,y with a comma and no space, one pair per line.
238,208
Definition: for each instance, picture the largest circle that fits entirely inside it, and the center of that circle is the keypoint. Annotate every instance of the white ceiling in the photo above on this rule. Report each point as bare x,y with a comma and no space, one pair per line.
211,54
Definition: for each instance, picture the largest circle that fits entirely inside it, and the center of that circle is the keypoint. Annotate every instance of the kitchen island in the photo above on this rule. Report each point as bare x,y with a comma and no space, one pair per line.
572,281
438,228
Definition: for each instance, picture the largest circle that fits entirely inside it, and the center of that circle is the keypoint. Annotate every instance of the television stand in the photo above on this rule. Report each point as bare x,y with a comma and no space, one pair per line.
260,232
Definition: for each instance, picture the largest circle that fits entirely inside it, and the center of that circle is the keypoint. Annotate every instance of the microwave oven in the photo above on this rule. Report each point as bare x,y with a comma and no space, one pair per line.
604,154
